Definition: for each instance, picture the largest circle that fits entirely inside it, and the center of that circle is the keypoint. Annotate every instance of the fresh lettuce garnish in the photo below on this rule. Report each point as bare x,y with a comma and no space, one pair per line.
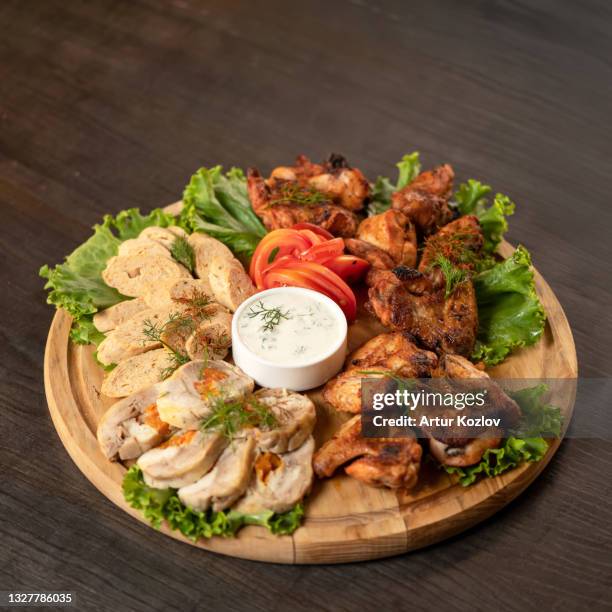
382,190
471,199
77,285
526,445
218,204
510,314
159,505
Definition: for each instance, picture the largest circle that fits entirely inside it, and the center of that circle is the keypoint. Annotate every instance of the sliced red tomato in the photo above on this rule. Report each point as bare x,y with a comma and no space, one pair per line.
313,228
310,275
320,253
312,237
349,268
274,245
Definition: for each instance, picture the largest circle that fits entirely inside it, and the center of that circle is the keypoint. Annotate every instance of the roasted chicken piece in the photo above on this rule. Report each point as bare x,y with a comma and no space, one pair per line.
392,232
324,194
380,462
460,242
375,256
407,300
393,352
425,200
453,445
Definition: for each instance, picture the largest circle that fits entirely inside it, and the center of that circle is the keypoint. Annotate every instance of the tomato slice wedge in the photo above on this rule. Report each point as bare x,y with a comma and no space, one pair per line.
320,253
274,245
310,275
313,228
349,268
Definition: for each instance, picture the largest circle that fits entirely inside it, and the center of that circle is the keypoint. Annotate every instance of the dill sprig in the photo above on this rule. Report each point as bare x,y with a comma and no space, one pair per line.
182,252
154,332
453,275
271,317
229,417
294,193
196,306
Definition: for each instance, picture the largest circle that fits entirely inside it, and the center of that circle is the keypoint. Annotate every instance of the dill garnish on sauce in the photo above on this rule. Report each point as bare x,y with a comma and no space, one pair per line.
271,317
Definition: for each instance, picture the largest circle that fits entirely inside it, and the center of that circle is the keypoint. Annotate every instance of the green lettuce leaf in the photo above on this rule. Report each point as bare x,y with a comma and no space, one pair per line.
495,461
510,314
77,285
159,505
382,189
218,204
470,199
528,443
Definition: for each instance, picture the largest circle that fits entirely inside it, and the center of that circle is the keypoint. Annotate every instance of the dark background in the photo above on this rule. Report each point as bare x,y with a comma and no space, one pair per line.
107,105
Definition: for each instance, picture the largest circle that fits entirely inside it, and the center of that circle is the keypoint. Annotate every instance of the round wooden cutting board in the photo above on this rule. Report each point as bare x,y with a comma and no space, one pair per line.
345,520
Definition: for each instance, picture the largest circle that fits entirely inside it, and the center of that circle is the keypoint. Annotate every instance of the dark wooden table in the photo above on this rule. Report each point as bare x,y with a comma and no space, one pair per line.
107,105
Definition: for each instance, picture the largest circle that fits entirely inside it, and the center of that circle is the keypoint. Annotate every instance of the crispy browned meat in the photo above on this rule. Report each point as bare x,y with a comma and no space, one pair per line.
393,352
406,300
380,462
396,352
450,445
343,392
275,213
425,199
325,194
392,232
376,257
460,241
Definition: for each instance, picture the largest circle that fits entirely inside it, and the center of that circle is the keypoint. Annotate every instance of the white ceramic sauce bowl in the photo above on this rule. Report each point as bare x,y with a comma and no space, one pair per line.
306,375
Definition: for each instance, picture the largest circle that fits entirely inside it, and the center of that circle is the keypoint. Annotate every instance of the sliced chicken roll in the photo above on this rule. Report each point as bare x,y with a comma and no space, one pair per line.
164,236
181,460
229,282
132,426
205,249
142,246
190,394
136,373
295,416
135,275
226,482
213,336
110,318
279,481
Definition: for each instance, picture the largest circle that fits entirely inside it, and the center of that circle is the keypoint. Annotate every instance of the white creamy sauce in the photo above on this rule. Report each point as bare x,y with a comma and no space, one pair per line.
306,329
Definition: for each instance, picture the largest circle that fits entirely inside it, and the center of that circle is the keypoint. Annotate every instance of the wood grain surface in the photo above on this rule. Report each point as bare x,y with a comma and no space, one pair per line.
105,105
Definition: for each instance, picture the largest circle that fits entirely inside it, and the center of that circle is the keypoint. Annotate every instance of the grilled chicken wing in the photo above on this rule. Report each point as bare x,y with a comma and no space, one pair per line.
392,232
425,199
459,241
324,194
380,462
375,256
452,446
407,300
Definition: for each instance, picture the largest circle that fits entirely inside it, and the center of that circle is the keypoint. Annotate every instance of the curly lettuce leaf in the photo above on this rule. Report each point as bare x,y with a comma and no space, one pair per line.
159,505
528,444
382,190
471,199
495,461
218,204
510,314
77,285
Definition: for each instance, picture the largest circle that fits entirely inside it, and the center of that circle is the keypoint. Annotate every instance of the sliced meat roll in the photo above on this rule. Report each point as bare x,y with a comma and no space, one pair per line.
182,459
128,339
190,394
132,426
136,373
279,481
205,250
226,482
213,336
135,275
164,236
142,246
295,416
230,284
110,318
